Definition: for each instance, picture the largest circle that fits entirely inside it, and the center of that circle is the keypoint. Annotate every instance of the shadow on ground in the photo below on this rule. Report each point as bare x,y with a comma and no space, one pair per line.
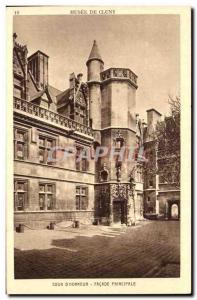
149,251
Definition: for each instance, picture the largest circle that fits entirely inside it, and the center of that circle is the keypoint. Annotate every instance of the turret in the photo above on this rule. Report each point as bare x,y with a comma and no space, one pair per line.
95,66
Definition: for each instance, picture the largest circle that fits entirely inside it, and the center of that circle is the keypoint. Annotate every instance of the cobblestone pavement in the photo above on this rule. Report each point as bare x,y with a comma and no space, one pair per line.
149,250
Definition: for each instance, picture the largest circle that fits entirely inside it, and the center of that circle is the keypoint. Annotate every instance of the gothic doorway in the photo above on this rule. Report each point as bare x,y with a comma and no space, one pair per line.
174,211
119,211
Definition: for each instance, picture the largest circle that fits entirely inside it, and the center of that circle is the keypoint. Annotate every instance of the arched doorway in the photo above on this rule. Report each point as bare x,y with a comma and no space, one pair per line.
174,211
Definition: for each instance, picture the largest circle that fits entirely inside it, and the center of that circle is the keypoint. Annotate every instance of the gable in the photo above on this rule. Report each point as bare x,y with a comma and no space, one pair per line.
45,97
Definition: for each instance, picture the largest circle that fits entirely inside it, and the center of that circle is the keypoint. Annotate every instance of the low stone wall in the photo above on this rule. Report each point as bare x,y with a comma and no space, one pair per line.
39,220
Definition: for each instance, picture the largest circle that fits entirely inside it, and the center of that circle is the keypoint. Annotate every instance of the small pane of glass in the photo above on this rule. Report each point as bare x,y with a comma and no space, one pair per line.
83,203
49,202
41,141
41,155
49,144
42,188
20,201
49,188
77,202
20,186
84,164
20,150
83,191
118,144
41,201
20,136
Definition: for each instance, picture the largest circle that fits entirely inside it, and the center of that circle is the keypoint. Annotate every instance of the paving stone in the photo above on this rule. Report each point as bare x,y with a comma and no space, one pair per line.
150,250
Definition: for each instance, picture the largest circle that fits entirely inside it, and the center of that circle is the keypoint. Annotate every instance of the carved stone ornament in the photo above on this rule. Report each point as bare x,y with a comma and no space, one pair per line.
119,191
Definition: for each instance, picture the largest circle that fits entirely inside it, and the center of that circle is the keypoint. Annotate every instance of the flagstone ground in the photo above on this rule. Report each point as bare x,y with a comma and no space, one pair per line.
150,249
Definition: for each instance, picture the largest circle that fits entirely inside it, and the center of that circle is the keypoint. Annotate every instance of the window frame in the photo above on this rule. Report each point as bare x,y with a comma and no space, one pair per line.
45,193
24,192
79,204
23,142
45,148
79,165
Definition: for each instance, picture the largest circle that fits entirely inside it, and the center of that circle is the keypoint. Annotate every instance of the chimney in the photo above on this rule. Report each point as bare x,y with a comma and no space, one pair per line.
153,116
79,77
38,65
72,80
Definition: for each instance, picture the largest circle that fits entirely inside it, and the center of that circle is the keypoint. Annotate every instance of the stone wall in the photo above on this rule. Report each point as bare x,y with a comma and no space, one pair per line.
41,220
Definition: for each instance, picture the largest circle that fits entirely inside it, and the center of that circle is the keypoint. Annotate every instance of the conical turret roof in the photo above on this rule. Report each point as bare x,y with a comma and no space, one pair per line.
95,54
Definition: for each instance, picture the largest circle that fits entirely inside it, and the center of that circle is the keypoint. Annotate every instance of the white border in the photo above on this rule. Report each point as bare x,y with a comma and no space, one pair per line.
2,90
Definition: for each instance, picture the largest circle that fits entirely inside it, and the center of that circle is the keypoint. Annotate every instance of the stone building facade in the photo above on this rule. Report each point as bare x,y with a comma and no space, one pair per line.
161,170
68,146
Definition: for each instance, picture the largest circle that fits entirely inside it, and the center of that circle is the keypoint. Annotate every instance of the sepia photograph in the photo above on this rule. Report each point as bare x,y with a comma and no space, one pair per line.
97,133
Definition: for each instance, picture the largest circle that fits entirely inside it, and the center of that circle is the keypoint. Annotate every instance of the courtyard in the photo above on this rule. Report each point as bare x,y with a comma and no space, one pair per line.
150,249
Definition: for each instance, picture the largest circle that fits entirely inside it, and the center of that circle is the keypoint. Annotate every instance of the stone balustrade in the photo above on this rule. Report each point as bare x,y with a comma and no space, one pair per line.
45,114
119,73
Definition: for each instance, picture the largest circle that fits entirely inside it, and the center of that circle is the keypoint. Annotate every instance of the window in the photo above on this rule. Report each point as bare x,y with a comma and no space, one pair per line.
119,142
104,175
80,114
150,183
20,194
46,196
139,174
46,150
20,144
81,198
81,160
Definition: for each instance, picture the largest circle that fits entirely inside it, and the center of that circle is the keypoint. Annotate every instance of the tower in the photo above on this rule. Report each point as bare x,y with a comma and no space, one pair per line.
116,191
95,66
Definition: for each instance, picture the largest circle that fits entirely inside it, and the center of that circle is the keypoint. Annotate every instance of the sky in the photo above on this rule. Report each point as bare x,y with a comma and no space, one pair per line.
147,44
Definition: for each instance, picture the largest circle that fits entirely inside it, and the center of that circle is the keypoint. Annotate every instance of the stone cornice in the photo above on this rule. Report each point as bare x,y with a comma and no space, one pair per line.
94,58
117,128
109,80
119,74
93,82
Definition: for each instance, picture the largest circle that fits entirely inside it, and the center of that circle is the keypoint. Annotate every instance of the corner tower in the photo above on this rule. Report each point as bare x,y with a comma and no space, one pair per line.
95,66
116,192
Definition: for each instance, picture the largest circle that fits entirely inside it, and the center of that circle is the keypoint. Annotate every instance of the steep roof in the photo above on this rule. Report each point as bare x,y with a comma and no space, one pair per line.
95,53
53,93
63,97
50,91
53,90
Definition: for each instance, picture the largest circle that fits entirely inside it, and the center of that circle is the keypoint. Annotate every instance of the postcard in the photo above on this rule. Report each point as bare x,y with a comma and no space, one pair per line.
99,150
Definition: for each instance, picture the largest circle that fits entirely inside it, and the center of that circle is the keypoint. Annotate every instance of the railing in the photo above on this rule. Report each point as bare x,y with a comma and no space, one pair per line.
119,73
50,116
